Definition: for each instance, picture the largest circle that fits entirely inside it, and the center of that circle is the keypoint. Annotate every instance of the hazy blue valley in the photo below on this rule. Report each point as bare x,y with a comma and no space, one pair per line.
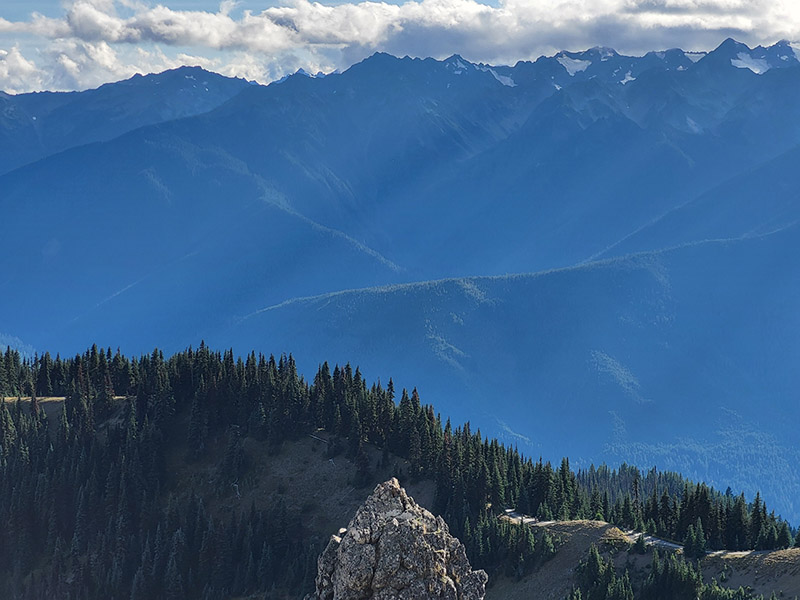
590,255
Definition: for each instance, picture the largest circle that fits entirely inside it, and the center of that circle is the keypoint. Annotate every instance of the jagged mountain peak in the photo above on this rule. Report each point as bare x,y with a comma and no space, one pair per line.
182,70
456,57
457,65
183,75
37,125
730,45
758,60
301,72
604,52
380,63
379,58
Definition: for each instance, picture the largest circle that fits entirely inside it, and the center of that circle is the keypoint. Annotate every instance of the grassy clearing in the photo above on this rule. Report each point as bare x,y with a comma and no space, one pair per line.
764,572
50,405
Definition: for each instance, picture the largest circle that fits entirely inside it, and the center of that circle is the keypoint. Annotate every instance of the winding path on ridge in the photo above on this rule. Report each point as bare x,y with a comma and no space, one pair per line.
631,535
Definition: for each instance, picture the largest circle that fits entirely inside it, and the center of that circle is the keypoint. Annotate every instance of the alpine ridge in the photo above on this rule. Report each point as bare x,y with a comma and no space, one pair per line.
586,241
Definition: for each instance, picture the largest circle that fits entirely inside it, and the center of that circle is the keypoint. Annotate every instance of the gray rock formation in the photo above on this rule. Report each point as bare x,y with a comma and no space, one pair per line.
394,549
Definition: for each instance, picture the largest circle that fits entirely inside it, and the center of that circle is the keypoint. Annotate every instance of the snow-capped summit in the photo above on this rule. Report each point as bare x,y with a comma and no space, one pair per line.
780,55
572,63
458,65
604,53
758,60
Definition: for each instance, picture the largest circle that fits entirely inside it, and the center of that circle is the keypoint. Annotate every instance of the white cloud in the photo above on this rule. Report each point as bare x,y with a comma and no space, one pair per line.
17,73
79,64
94,38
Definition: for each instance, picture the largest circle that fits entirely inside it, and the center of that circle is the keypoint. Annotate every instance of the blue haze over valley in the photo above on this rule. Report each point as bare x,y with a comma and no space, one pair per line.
589,242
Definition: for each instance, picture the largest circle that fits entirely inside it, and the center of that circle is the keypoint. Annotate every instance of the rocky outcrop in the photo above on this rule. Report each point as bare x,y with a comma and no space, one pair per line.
394,549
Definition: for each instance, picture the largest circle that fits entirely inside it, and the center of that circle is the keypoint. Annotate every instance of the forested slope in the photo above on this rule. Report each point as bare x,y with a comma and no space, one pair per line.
92,504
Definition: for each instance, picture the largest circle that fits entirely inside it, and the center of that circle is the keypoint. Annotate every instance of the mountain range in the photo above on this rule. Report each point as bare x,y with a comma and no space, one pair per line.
590,254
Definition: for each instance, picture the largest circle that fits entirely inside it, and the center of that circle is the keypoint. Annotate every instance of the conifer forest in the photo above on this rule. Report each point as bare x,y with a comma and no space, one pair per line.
90,506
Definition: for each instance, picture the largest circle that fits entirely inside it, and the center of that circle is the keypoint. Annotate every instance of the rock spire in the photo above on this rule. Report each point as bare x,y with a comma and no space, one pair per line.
394,549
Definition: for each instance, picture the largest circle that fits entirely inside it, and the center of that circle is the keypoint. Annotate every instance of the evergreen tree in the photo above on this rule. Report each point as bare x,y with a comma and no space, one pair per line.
695,542
640,545
690,543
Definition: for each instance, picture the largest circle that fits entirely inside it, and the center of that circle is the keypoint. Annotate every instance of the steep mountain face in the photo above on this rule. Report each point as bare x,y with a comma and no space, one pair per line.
33,126
373,216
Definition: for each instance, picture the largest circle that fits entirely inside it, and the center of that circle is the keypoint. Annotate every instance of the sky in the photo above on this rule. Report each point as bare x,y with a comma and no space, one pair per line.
80,44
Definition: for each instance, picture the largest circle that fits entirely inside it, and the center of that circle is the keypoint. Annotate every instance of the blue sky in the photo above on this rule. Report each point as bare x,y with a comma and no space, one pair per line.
77,44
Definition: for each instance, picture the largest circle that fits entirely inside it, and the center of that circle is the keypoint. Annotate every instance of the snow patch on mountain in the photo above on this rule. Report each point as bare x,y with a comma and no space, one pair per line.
573,65
627,79
504,79
458,65
743,60
605,52
796,47
695,56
